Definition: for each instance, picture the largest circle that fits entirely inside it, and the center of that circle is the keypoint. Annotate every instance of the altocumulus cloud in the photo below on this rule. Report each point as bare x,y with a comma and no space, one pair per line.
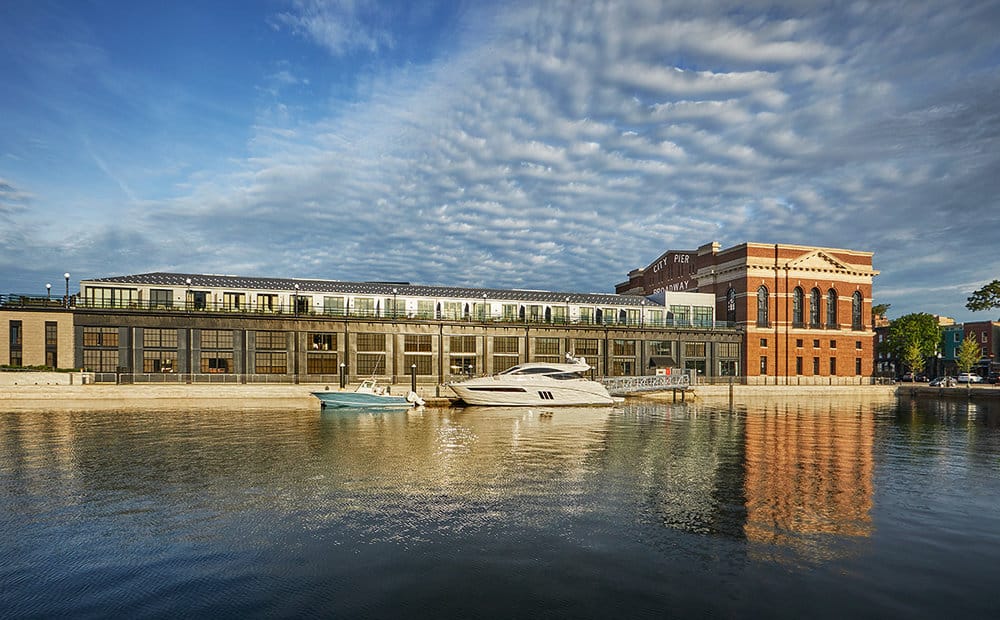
558,145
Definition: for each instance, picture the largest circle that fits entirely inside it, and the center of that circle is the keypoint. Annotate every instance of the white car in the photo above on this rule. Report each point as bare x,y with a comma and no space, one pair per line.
969,377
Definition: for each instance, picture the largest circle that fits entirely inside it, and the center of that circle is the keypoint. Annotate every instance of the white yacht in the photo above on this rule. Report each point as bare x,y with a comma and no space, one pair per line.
536,383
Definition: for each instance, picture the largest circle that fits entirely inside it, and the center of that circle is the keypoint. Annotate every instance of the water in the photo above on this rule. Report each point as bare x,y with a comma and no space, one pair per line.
792,509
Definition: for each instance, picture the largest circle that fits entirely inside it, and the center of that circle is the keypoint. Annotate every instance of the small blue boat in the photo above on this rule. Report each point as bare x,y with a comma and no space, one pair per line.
368,395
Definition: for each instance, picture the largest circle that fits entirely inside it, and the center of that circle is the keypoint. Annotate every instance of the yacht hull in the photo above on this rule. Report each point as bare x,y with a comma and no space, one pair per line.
552,394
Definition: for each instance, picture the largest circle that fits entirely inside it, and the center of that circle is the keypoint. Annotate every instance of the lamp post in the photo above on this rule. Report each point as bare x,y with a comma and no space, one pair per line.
187,295
394,293
484,308
66,275
48,292
295,301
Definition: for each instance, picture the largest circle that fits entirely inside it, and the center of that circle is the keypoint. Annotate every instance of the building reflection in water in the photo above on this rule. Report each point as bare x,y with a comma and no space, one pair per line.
809,473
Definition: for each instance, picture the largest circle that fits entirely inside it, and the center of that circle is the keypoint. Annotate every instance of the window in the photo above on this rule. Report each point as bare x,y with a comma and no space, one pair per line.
798,342
159,361
417,343
161,298
762,306
216,339
100,337
682,315
267,303
363,306
816,343
623,347
815,365
798,365
763,364
371,343
324,363
508,312
100,360
728,349
833,367
831,308
101,297
763,343
462,344
586,347
16,343
275,341
857,366
702,316
159,338
833,344
858,345
505,344
856,317
728,368
731,305
547,346
694,349
586,315
798,297
51,344
271,362
463,365
234,301
814,308
213,362
333,306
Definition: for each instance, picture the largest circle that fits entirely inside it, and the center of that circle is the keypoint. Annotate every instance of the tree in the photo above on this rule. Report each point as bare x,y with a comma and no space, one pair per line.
919,331
966,356
914,359
985,298
878,312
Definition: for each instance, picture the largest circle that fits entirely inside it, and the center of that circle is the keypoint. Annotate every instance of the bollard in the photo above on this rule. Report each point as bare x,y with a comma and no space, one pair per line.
413,378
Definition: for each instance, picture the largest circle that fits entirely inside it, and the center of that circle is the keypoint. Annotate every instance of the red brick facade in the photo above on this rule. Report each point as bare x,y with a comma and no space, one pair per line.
805,311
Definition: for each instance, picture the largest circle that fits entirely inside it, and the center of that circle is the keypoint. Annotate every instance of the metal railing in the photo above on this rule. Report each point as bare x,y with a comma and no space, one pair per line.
654,383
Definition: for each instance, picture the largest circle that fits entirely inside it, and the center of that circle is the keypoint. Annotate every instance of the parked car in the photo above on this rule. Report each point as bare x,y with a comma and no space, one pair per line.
969,377
993,378
920,377
943,382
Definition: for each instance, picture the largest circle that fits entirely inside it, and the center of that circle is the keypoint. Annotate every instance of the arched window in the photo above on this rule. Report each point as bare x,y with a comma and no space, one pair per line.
831,308
731,305
856,322
762,318
798,297
814,308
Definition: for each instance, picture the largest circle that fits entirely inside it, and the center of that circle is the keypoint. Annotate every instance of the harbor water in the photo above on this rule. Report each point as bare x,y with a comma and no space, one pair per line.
784,509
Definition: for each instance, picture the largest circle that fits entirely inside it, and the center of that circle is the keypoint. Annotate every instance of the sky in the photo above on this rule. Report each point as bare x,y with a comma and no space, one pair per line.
551,145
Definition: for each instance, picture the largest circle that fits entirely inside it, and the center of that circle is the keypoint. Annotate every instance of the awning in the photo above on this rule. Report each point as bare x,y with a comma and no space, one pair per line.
662,361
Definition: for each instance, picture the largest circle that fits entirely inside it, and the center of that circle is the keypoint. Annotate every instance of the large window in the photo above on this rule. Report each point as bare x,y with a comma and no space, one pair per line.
333,306
857,322
271,362
731,305
109,297
155,338
694,349
273,341
213,362
159,361
831,309
702,316
814,308
267,302
682,315
100,337
417,349
16,343
506,344
462,344
798,298
547,350
323,341
216,339
234,301
161,298
324,363
728,349
100,360
762,307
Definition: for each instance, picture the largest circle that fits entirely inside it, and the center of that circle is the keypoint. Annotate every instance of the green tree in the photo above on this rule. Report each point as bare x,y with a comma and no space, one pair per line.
919,331
878,311
966,356
985,298
914,359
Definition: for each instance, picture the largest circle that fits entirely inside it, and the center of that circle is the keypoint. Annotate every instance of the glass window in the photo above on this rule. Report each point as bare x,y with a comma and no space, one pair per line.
762,306
623,347
417,343
100,360
703,316
322,363
267,303
728,349
694,349
159,361
371,363
272,341
731,305
363,306
505,344
814,307
370,343
586,315
234,301
546,346
161,298
271,362
216,339
217,362
462,344
323,341
425,309
856,317
831,308
682,315
798,297
424,363
333,306
587,347
159,338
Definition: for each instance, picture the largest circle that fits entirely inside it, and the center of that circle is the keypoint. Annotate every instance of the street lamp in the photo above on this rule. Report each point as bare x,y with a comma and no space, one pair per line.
187,296
66,275
484,307
394,293
295,301
48,292
567,311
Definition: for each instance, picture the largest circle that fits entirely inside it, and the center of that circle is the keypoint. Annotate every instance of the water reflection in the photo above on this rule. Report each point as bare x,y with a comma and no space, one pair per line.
229,498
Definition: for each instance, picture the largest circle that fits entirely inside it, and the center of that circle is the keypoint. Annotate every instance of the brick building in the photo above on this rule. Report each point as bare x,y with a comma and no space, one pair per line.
804,312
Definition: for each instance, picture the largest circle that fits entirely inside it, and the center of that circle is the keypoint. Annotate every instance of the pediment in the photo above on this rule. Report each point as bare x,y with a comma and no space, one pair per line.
820,261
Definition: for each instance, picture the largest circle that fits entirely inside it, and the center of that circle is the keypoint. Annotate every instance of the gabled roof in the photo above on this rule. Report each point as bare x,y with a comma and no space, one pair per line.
383,289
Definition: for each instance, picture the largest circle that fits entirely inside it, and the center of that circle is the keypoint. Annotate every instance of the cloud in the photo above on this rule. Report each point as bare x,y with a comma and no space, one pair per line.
340,26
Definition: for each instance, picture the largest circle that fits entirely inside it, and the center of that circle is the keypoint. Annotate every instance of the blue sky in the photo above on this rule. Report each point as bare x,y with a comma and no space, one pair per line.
548,145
